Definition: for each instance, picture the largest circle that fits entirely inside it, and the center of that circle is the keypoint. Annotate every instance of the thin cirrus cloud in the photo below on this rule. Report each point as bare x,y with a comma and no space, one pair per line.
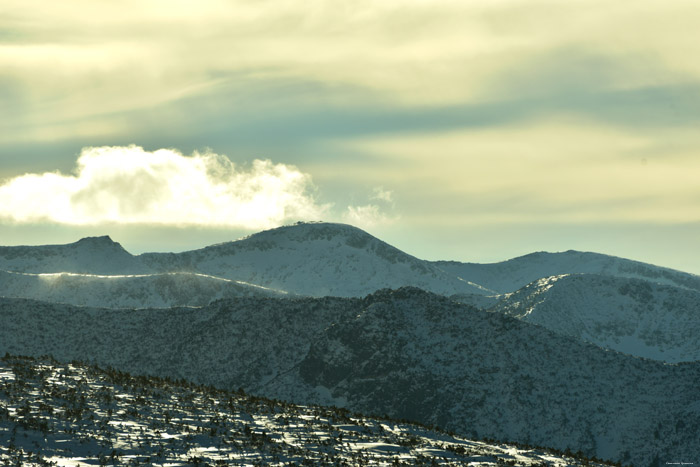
129,185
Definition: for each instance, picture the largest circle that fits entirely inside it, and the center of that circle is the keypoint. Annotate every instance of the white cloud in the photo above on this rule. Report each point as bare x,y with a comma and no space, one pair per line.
128,185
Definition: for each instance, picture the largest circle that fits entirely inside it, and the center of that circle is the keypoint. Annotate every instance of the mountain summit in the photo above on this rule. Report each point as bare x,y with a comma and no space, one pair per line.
315,259
90,255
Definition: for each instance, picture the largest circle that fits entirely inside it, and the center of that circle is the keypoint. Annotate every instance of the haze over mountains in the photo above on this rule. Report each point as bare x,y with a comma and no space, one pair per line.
542,349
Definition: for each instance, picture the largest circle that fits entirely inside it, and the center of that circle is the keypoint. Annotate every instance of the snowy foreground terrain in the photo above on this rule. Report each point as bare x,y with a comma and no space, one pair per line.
72,414
572,350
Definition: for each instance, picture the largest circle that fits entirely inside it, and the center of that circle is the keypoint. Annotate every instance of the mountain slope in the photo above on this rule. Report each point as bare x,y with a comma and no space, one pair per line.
629,315
319,259
511,275
90,255
78,414
405,353
126,291
315,259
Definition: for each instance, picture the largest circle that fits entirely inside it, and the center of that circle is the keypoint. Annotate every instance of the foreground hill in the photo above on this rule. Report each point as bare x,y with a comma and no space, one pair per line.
406,353
629,315
509,276
69,414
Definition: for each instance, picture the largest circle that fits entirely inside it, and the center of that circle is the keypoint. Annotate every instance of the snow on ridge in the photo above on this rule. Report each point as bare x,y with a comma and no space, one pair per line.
127,291
319,259
510,275
316,259
630,315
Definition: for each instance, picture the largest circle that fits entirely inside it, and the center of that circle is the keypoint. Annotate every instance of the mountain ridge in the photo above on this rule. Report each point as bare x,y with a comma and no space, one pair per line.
406,353
362,257
629,315
510,275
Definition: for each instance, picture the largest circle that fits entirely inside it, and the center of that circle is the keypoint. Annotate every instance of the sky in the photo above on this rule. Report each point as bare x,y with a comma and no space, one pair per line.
467,130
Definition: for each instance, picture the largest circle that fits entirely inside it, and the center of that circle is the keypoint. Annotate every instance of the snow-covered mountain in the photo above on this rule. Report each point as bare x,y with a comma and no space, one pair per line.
71,414
90,255
405,353
315,259
127,291
629,315
509,276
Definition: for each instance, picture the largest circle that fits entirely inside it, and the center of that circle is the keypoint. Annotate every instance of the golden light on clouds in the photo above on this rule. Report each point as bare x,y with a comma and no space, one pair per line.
562,171
99,58
127,185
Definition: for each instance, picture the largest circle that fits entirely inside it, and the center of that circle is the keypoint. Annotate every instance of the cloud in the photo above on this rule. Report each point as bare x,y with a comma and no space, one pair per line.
368,215
372,214
128,185
381,194
563,170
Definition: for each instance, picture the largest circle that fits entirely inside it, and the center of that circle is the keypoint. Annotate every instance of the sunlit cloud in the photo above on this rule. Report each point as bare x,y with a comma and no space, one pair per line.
128,185
73,71
365,216
379,211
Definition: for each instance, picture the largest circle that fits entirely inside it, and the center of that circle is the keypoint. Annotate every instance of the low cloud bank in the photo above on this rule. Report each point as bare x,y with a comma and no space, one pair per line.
129,185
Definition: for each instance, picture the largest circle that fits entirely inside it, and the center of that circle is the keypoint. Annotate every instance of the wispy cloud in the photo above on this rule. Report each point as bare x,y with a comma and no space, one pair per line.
368,215
379,211
128,185
381,194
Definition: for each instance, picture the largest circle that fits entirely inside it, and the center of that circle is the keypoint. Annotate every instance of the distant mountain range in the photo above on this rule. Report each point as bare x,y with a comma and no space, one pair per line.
305,259
511,275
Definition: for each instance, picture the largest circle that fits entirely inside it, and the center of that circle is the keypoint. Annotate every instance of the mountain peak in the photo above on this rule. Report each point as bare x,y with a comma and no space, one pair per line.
304,231
99,240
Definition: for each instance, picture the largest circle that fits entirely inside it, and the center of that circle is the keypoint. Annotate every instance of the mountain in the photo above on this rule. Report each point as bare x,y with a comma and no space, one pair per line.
509,276
127,291
634,316
91,255
405,353
70,414
315,259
